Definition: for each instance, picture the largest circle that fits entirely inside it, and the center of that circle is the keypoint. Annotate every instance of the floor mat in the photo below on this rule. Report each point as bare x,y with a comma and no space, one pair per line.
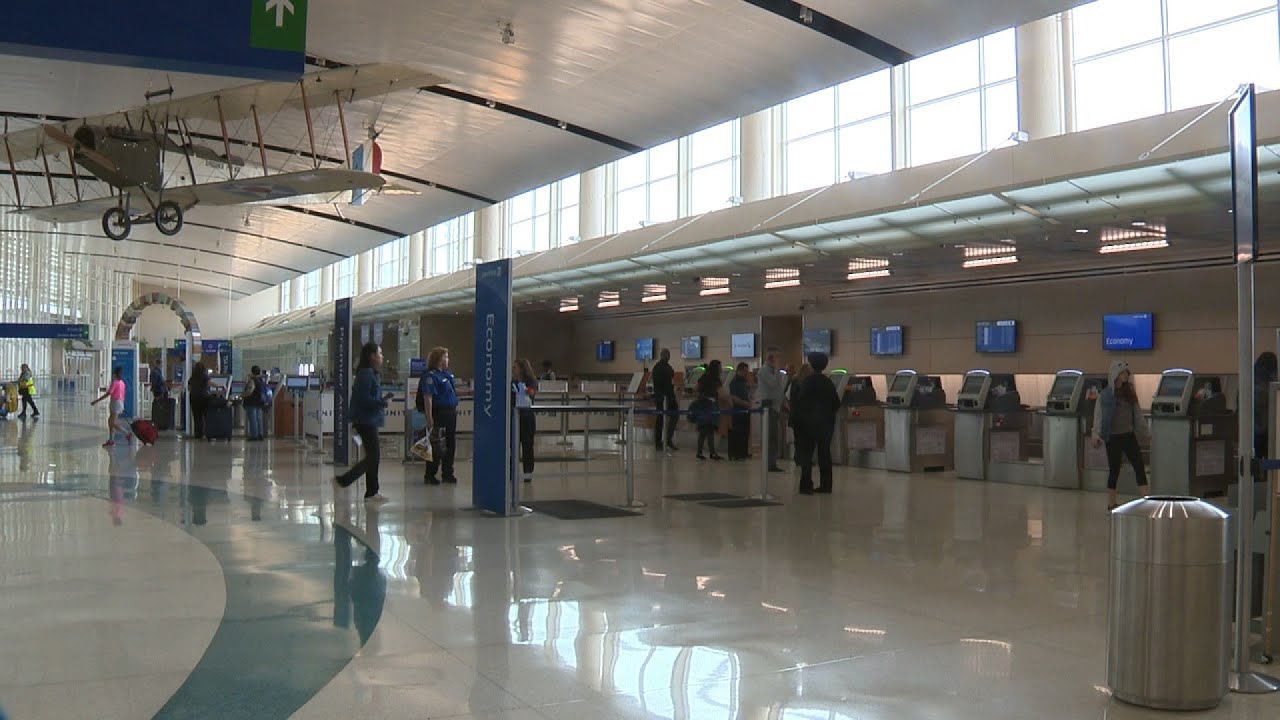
576,509
741,503
703,496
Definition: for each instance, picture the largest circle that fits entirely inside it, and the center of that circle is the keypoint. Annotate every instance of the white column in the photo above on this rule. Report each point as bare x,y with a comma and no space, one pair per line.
1068,71
756,168
297,292
592,194
1041,106
326,284
488,234
364,272
898,114
416,243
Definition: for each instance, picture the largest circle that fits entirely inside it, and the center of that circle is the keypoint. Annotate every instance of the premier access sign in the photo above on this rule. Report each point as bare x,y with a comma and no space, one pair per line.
263,39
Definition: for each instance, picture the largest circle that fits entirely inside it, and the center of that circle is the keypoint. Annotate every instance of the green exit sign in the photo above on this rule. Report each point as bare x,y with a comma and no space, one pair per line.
279,25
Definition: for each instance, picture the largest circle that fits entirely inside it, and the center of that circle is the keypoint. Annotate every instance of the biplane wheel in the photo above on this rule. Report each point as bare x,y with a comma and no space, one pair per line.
169,218
116,223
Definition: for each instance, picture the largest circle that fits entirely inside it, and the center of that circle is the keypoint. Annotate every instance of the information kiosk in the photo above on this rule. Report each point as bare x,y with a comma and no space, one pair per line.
1068,421
861,420
991,428
918,429
234,391
1193,436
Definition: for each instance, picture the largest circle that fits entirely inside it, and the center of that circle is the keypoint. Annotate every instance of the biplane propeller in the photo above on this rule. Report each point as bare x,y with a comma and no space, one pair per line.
127,150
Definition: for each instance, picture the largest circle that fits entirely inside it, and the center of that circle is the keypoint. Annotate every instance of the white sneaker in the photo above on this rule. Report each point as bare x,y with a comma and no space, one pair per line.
376,500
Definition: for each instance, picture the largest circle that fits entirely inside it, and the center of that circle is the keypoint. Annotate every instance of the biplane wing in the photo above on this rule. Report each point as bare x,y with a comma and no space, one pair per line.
227,192
320,89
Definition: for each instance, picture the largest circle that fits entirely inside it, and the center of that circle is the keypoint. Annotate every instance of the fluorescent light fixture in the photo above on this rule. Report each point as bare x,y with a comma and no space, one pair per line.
868,274
566,307
714,286
1082,231
1133,246
989,261
781,278
707,292
609,299
654,293
653,298
608,304
774,285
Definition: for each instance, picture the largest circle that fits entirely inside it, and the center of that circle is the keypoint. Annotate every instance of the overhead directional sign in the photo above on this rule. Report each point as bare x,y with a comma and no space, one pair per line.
44,331
263,39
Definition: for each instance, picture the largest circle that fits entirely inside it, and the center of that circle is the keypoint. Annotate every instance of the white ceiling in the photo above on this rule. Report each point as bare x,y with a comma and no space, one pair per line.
636,73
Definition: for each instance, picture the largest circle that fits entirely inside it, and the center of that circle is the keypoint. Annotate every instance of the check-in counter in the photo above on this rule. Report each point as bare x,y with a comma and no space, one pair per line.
1068,423
288,411
597,393
918,429
1193,436
861,424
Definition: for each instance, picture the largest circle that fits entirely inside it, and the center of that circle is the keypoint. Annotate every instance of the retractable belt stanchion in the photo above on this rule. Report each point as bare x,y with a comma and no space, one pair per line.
631,459
764,457
586,433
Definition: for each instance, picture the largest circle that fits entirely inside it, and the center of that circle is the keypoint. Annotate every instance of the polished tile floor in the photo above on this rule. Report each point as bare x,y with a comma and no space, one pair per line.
192,580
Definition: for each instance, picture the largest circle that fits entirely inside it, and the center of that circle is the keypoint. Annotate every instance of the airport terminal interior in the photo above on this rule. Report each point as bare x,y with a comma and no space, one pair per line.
998,226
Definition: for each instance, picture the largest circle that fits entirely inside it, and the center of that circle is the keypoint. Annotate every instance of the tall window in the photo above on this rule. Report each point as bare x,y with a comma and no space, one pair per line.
713,167
1135,58
311,288
529,221
962,100
391,264
344,278
837,131
569,195
286,300
647,187
450,244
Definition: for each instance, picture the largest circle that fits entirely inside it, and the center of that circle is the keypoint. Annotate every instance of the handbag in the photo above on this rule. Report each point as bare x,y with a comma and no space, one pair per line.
423,448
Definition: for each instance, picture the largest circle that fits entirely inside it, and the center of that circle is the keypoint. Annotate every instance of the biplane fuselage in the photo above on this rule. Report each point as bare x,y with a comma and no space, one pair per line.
136,156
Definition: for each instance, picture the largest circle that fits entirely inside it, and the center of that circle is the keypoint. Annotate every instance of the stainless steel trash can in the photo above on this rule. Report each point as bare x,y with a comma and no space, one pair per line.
1169,611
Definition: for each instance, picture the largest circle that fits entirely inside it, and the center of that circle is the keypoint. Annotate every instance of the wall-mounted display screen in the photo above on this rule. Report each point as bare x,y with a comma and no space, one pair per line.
817,341
604,351
315,383
900,384
742,345
997,336
886,340
644,348
295,383
1131,331
1172,385
691,347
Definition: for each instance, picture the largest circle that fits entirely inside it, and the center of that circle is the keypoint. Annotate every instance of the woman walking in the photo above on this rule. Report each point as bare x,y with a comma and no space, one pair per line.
115,392
27,389
525,386
1118,422
709,386
368,410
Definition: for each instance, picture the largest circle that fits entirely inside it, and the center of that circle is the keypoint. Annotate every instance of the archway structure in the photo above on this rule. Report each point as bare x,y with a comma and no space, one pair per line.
189,323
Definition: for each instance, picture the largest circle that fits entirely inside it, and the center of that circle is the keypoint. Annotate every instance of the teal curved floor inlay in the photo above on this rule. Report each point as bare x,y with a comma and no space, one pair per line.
292,601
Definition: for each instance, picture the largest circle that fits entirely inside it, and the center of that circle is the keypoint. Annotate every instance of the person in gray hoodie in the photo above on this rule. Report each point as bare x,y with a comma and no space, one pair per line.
1118,422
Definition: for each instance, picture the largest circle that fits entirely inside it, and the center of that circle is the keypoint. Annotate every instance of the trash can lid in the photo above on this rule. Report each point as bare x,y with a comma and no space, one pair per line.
1170,530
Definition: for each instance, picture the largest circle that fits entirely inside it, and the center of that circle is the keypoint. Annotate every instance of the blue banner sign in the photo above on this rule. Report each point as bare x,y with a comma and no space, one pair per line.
263,39
44,331
491,468
417,367
341,380
124,355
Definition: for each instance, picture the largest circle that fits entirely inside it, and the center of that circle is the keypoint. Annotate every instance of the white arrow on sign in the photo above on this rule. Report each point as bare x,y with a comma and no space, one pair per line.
280,6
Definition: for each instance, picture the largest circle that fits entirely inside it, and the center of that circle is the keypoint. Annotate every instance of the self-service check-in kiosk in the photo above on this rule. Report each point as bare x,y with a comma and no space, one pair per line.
287,413
861,420
918,429
691,377
234,392
991,426
1068,423
1193,436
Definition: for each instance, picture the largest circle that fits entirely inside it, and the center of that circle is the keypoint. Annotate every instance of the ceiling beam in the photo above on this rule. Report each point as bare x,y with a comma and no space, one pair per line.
819,22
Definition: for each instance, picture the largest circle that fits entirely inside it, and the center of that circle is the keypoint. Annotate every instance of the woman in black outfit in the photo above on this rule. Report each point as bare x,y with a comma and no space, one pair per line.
198,397
709,399
524,386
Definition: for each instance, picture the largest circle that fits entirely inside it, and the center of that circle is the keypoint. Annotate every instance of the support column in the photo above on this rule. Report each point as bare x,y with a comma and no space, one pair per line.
592,190
416,243
297,292
1041,97
756,168
326,284
488,234
364,272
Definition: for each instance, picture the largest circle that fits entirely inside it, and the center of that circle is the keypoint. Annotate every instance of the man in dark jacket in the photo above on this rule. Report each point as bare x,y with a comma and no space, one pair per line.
664,398
818,405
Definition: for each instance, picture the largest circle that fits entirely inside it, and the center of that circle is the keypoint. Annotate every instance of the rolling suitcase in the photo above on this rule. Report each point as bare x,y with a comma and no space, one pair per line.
217,422
163,410
145,430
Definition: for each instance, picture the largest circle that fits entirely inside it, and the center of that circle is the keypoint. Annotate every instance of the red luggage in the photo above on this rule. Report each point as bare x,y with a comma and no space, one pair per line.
146,431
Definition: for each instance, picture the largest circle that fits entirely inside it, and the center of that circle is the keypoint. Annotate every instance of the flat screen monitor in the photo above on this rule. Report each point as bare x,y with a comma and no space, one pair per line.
1172,385
314,383
972,384
220,381
295,383
742,345
691,347
604,351
644,348
886,340
1131,331
1064,385
996,336
237,387
900,384
817,341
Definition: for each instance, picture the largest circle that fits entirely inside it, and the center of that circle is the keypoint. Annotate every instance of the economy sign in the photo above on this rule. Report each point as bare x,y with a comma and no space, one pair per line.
493,414
264,39
341,380
44,331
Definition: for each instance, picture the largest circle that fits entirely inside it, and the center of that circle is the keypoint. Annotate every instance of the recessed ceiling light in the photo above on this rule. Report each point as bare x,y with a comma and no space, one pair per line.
1133,246
1082,231
989,261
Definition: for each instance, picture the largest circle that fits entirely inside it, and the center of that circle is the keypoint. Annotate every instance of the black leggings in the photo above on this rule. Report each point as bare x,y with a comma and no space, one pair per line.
27,401
528,426
707,434
1125,445
368,465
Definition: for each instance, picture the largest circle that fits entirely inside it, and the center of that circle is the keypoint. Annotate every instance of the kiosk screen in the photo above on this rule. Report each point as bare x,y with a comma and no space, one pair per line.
900,384
237,387
1064,385
972,384
1173,385
296,383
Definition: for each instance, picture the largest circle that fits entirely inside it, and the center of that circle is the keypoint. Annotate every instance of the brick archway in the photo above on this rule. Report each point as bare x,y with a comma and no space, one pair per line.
189,323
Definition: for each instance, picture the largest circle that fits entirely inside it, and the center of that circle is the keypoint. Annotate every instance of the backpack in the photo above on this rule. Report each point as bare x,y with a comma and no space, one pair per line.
263,388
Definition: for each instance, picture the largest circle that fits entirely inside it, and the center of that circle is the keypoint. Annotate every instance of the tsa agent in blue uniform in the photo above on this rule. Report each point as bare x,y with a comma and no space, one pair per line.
523,388
438,398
